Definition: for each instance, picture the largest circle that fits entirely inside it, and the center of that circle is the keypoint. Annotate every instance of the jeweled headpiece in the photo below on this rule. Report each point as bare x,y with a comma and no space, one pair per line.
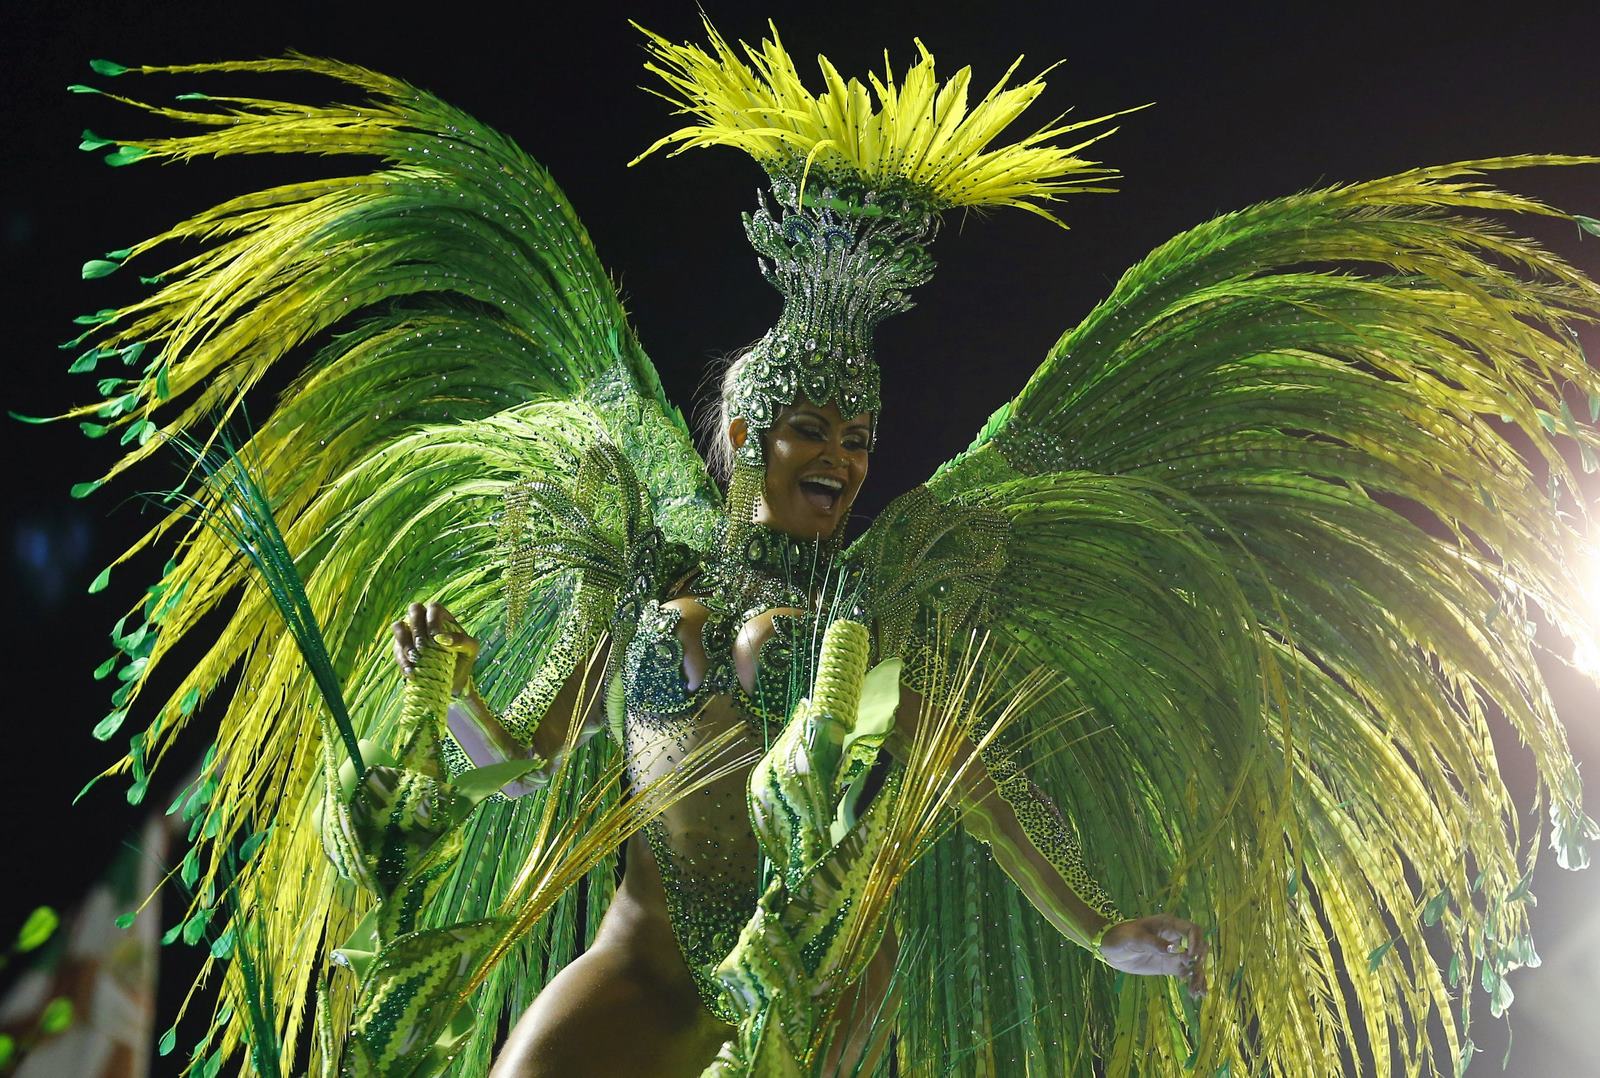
858,180
843,260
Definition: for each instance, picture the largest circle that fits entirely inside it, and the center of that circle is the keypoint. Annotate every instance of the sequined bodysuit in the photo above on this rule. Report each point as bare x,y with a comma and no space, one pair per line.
710,864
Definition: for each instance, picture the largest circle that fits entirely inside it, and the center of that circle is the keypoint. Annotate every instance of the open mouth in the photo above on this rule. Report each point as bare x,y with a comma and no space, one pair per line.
823,492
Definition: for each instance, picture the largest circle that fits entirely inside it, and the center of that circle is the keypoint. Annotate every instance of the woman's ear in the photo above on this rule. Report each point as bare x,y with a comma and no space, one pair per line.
738,431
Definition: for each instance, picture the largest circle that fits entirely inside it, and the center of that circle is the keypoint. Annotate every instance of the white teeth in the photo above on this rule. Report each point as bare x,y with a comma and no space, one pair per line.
826,481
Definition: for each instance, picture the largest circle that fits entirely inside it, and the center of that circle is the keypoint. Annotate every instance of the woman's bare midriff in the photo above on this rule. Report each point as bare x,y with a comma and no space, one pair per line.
628,1005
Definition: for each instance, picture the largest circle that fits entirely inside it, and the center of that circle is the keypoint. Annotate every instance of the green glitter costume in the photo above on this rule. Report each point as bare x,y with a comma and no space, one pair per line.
1175,592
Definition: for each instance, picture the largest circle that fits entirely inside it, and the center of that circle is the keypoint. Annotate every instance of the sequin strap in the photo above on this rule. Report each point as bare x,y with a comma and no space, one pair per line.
581,627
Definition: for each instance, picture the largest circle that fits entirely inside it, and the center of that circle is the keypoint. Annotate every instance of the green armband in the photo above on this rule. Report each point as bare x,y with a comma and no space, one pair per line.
1099,939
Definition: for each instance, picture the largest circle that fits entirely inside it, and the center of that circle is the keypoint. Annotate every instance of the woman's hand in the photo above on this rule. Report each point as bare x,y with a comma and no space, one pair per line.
434,626
1158,945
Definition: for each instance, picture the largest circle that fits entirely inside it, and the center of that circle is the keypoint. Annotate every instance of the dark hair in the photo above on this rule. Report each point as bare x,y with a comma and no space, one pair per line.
712,418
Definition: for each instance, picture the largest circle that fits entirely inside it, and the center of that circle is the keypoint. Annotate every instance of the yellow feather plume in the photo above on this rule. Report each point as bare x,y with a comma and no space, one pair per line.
919,132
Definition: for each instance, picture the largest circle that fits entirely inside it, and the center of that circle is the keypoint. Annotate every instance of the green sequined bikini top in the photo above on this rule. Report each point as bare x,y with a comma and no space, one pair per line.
768,570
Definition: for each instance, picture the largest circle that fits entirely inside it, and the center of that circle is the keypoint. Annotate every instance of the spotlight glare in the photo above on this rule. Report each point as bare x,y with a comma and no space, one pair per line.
1586,648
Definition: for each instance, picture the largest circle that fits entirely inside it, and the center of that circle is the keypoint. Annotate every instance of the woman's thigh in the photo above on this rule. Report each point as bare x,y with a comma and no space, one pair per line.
605,1015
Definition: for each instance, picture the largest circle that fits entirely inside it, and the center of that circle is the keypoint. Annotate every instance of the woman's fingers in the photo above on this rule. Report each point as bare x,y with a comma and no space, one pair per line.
1194,958
405,650
425,624
441,620
443,629
1201,948
1179,935
431,624
1161,945
1171,931
1185,948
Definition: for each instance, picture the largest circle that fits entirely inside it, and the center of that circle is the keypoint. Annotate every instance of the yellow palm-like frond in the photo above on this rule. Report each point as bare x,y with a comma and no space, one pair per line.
919,132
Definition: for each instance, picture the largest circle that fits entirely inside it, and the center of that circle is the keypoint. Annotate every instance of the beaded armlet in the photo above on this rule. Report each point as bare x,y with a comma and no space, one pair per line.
1097,940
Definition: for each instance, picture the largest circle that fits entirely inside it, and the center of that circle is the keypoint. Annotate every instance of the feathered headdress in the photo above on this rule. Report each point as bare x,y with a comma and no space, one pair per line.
858,179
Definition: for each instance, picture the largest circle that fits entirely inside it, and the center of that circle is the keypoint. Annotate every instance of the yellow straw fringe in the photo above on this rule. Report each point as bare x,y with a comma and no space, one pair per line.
920,133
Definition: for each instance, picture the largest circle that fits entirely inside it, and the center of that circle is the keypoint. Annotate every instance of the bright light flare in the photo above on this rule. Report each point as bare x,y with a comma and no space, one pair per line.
1586,649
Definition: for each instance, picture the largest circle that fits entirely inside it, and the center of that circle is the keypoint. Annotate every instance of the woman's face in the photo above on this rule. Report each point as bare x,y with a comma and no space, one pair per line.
816,461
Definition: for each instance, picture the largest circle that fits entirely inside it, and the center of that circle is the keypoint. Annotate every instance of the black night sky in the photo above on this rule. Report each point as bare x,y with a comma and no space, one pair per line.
1251,101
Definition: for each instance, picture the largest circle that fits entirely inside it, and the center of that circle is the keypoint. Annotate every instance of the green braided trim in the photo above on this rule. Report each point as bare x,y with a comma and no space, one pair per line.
424,706
792,788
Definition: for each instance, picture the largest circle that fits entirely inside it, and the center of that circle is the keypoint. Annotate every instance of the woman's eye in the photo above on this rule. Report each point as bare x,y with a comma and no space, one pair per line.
810,432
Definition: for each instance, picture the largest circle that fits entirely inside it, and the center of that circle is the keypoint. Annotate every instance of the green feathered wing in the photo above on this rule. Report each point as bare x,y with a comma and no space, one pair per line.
453,339
1277,514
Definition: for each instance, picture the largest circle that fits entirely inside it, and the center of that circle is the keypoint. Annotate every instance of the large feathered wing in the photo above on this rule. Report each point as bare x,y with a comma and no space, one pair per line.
457,339
1278,514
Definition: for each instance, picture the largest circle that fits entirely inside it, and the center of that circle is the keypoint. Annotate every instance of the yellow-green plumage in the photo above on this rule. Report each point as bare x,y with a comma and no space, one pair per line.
465,293
917,132
1293,539
1273,516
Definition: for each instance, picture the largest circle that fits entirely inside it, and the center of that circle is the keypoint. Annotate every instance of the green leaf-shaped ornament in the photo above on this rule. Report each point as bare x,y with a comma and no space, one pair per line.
57,1015
108,726
37,929
1375,958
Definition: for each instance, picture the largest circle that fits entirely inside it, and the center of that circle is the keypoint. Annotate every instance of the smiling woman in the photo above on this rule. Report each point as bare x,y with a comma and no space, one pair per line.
816,463
1243,683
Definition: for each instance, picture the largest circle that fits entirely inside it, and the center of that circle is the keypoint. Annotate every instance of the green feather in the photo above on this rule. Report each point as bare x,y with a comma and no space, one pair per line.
1262,519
